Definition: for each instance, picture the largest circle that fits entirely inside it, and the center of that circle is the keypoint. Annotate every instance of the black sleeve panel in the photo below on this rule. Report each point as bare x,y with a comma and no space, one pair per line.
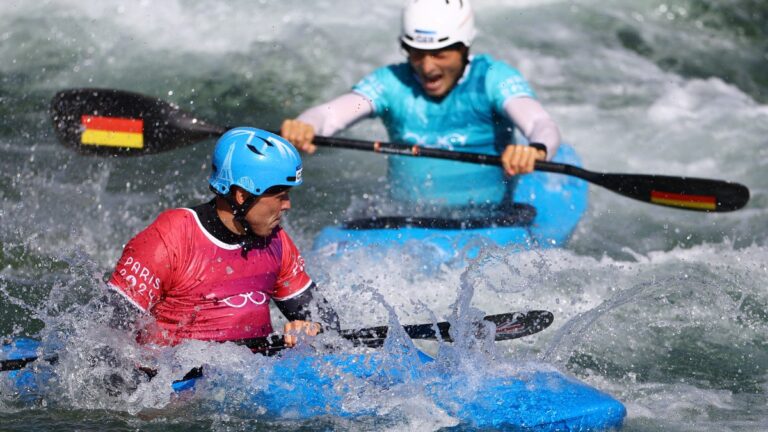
310,306
124,314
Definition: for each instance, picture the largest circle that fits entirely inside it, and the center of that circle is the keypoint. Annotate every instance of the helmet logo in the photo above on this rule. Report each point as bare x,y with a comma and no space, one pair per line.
298,174
224,177
424,36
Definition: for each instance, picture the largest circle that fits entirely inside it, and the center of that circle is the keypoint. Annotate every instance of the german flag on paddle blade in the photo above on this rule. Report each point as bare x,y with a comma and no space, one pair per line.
699,202
112,131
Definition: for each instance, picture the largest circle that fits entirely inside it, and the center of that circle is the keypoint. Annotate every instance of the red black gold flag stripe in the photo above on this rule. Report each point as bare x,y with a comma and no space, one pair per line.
112,131
701,202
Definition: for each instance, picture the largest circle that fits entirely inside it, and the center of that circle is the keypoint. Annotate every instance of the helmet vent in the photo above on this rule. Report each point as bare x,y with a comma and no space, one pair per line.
253,148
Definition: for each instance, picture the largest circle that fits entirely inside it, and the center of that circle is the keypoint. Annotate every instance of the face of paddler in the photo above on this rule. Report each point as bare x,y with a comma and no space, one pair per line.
438,70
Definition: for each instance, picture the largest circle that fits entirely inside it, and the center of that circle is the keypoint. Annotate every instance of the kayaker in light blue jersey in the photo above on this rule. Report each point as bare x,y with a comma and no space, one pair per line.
442,98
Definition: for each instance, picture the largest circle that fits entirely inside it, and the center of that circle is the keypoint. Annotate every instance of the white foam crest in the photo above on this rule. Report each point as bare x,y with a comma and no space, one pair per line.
590,297
212,27
702,100
559,280
678,406
750,260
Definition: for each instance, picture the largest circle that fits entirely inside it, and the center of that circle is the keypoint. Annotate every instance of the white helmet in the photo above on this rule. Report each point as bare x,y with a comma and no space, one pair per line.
435,24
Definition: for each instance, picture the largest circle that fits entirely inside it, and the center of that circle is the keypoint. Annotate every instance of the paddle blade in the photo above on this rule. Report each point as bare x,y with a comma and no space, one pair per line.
508,326
517,325
10,365
679,192
119,123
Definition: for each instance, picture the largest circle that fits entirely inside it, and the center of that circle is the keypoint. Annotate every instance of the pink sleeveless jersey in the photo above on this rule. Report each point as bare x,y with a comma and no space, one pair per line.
197,287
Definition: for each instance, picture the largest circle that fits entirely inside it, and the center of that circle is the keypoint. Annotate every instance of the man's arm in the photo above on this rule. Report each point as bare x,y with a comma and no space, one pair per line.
540,130
534,122
121,312
310,305
326,120
135,284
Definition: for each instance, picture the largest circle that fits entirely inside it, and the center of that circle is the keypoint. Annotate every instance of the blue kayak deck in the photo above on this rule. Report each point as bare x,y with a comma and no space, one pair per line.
302,387
559,200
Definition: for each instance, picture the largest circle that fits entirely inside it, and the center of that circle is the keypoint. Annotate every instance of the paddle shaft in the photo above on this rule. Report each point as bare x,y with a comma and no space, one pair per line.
119,123
508,326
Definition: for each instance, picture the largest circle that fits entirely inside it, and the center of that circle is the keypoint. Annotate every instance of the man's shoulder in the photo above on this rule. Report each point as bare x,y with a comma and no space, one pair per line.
484,58
285,240
488,62
176,215
502,80
281,235
174,219
384,82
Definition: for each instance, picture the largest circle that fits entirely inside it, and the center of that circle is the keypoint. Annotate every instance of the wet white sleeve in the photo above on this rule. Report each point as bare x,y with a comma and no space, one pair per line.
337,114
534,122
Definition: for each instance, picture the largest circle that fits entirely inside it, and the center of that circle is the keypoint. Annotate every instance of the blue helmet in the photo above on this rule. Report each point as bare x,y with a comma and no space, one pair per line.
255,160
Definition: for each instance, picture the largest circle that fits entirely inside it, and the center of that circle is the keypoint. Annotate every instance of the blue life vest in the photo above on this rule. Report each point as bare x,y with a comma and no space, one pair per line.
470,118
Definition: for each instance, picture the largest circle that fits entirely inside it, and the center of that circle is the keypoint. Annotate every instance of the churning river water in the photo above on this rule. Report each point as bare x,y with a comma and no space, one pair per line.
665,309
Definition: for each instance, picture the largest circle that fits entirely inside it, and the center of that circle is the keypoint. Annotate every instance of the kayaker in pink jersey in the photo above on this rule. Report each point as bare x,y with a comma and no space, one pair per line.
209,272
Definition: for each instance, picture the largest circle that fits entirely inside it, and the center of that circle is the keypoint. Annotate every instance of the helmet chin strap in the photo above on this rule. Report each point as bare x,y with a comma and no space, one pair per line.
238,212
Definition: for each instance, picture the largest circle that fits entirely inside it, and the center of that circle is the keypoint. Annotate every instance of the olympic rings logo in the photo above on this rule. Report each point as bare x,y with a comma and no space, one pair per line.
232,301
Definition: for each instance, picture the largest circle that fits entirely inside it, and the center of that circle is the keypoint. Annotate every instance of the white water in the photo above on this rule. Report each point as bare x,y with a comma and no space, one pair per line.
662,308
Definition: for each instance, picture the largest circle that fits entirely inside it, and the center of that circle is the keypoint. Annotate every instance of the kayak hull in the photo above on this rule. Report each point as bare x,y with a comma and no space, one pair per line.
560,202
302,387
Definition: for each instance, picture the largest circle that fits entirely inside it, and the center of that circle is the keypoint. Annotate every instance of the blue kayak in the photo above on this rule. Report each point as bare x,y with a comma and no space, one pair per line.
307,386
547,207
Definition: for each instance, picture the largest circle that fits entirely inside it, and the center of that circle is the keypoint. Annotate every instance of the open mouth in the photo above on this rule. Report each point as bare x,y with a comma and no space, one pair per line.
432,83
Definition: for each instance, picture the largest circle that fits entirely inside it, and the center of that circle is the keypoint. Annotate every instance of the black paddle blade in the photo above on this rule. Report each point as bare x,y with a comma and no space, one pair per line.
680,192
16,364
517,325
688,193
10,365
508,326
120,123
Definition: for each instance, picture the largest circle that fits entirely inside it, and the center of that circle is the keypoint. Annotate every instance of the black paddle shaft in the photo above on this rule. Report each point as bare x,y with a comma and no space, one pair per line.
508,326
162,126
